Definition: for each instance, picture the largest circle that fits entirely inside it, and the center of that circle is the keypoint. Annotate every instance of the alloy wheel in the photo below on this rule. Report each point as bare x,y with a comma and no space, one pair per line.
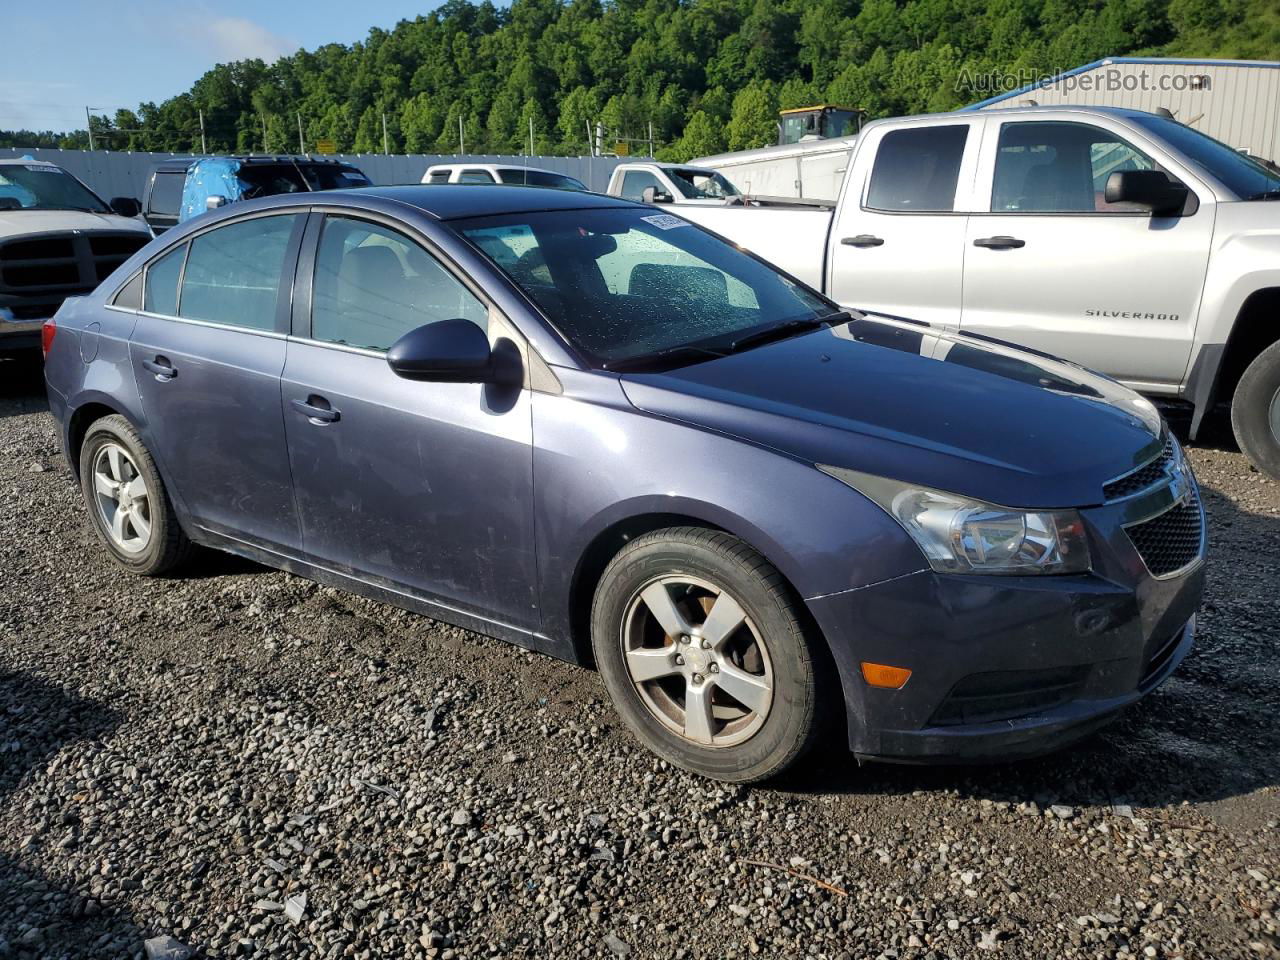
122,498
698,662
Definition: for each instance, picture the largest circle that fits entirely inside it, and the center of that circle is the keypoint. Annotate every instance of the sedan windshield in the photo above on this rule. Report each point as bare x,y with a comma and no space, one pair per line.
626,285
42,186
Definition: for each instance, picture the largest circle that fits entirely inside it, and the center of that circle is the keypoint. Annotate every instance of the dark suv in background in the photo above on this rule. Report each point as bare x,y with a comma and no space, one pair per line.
262,176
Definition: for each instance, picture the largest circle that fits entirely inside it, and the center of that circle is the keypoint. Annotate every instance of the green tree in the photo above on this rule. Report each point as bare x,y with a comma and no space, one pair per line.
754,120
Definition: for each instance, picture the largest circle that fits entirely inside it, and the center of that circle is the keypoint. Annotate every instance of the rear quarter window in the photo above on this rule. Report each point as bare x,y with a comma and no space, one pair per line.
166,193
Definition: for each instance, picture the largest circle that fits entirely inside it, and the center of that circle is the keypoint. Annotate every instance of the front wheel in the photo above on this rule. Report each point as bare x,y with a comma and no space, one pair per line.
704,652
1255,411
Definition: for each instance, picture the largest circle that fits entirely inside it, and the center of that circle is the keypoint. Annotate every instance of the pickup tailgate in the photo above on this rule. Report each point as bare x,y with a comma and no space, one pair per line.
793,239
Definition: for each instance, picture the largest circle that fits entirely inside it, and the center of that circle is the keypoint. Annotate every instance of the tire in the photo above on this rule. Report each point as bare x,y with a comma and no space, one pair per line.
1255,411
147,539
750,739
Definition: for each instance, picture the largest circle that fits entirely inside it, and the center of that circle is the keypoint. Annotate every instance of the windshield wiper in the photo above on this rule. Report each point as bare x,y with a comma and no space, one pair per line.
670,357
783,330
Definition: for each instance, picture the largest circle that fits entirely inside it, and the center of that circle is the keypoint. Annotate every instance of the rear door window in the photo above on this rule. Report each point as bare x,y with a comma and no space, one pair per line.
476,176
916,170
233,273
161,289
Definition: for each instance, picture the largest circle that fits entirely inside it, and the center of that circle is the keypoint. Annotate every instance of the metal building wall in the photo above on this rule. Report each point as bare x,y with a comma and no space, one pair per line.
124,174
1241,106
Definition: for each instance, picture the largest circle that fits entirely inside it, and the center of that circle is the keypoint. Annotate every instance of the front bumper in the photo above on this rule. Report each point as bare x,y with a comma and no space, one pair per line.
1008,667
19,334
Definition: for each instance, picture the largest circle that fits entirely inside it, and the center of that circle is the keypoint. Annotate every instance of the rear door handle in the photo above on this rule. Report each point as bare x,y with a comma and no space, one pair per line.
316,409
161,367
999,243
863,240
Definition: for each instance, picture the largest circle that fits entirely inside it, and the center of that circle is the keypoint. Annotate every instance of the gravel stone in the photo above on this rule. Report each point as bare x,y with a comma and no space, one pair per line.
174,753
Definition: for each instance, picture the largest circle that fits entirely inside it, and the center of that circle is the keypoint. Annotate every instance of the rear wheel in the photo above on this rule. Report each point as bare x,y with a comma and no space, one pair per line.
127,503
1255,411
705,654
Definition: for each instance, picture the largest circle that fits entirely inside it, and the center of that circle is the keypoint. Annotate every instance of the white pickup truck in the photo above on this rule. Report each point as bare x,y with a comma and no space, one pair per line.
679,183
1124,241
57,239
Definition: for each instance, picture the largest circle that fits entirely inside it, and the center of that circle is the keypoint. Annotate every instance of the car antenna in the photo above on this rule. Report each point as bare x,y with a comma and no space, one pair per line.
301,176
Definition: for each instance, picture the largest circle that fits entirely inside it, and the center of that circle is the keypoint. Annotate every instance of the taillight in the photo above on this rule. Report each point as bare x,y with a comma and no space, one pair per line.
48,331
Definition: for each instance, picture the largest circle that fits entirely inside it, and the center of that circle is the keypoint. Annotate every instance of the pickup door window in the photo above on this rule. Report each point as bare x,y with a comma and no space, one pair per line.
898,242
635,181
1052,265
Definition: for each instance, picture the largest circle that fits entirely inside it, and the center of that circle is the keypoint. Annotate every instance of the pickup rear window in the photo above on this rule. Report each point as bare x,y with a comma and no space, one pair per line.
916,170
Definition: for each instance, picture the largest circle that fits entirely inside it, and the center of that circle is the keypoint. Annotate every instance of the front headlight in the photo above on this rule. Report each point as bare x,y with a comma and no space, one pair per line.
961,535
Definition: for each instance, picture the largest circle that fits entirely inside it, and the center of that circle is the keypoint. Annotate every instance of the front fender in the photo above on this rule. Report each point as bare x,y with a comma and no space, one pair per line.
597,465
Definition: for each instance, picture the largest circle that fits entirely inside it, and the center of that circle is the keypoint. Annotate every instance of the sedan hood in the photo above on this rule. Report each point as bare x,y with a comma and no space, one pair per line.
899,400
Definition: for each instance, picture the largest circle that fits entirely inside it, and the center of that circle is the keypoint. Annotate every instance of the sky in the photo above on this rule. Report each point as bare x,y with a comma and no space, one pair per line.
62,56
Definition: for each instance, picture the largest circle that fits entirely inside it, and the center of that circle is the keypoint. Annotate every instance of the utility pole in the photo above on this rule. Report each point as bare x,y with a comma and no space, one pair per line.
88,122
385,150
651,138
263,117
531,136
591,150
462,143
301,148
203,148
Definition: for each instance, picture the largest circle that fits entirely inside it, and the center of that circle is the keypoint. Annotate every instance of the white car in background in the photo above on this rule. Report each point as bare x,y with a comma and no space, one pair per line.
500,173
58,239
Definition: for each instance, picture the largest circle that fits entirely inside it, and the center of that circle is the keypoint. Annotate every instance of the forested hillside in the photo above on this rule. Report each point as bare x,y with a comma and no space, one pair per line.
707,74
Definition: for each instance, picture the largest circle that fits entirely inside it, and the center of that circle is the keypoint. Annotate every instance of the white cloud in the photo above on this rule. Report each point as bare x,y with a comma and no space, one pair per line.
235,38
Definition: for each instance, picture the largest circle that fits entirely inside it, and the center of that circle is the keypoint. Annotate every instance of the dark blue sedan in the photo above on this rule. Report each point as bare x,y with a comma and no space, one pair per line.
591,428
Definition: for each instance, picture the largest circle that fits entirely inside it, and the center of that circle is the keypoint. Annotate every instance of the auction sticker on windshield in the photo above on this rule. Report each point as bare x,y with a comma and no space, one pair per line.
665,221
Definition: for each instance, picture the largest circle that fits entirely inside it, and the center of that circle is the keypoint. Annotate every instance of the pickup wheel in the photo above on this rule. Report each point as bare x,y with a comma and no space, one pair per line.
1255,411
127,503
705,654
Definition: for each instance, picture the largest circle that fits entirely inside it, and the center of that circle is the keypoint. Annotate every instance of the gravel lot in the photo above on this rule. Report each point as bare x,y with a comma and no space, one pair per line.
191,758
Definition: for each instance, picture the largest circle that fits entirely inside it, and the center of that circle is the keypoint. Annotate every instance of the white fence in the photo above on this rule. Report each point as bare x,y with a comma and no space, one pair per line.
124,174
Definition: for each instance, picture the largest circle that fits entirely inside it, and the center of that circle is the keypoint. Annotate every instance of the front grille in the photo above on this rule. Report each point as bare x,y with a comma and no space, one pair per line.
1148,475
38,273
1171,541
1008,695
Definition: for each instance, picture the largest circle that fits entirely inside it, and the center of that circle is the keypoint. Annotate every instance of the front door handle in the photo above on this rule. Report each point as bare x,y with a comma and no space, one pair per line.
999,243
316,409
161,367
863,240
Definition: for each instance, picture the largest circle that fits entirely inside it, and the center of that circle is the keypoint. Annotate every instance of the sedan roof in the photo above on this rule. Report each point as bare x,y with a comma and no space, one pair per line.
449,201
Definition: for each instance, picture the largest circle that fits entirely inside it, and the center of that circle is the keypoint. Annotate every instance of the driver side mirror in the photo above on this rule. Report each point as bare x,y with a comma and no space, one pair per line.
654,195
1148,188
449,351
214,202
125,206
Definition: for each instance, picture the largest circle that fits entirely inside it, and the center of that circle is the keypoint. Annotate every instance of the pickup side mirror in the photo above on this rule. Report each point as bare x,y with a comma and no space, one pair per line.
214,202
654,195
449,351
1148,188
125,206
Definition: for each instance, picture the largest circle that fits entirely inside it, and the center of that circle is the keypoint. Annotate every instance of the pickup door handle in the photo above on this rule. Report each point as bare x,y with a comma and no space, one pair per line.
316,409
999,243
161,367
863,240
